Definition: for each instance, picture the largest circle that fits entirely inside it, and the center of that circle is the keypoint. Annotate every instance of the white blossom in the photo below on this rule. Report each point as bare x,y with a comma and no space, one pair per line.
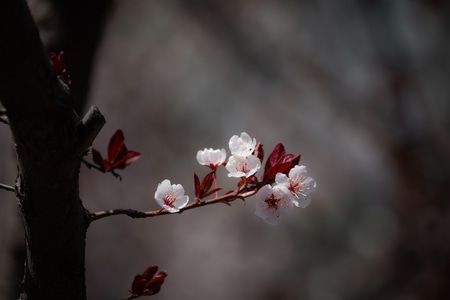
242,145
299,184
273,203
241,166
211,158
171,196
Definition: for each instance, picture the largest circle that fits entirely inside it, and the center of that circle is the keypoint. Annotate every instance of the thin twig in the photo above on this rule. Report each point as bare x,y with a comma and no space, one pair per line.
7,187
226,199
90,165
3,117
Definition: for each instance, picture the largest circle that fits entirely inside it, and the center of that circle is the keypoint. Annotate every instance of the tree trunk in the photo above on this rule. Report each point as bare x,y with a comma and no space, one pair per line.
49,139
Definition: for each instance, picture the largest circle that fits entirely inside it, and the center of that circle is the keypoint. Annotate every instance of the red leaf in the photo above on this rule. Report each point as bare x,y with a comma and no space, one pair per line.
132,156
153,286
138,285
59,67
294,159
116,146
278,168
207,182
196,186
118,155
149,283
259,152
279,162
150,272
274,156
125,159
203,189
55,62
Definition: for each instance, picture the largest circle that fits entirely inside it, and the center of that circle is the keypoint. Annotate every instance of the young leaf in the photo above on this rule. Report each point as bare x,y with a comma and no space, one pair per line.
119,156
147,284
197,190
278,162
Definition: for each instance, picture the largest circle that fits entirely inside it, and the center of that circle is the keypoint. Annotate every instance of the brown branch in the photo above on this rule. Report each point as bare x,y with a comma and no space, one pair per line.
7,187
89,127
226,199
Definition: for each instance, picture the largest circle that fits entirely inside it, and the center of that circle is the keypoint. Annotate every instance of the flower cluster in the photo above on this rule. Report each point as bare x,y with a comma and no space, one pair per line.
242,162
283,185
293,190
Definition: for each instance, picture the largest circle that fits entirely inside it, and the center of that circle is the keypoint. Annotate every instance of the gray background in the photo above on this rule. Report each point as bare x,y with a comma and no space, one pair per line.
359,88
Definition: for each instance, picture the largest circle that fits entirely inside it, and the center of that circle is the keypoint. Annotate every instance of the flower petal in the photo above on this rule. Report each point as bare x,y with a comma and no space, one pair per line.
210,157
240,166
274,203
242,145
171,196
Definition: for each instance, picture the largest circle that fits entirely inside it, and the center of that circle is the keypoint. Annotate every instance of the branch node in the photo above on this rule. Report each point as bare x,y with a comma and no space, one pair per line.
89,127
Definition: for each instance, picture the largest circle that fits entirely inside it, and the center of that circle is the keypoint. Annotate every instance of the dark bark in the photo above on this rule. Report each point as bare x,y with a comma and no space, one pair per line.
81,29
49,137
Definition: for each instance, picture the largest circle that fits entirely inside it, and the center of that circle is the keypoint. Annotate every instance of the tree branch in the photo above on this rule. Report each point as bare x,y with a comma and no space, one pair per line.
226,199
7,187
89,127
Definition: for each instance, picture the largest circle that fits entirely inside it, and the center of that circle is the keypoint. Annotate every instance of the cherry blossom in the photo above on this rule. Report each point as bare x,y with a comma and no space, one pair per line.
211,158
300,185
274,203
171,196
242,145
241,166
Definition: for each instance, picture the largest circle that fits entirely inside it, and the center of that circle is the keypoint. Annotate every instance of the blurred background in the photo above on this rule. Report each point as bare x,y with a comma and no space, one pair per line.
359,88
